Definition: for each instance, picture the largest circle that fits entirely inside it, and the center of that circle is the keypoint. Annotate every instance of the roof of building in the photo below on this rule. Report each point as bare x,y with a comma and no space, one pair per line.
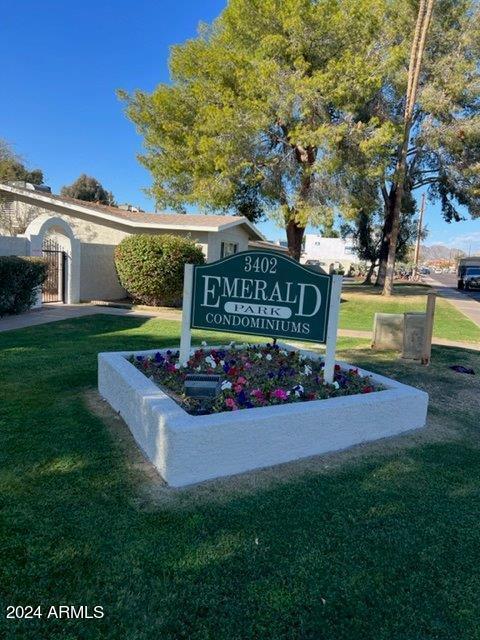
266,244
173,221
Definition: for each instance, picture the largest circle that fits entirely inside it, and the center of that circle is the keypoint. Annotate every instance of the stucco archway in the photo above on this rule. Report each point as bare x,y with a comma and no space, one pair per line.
45,225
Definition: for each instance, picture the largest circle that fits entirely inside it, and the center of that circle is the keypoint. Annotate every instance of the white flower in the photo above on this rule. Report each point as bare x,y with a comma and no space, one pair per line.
177,366
222,362
204,344
268,357
226,385
336,385
301,357
198,368
232,343
307,370
184,365
259,356
298,389
283,352
210,361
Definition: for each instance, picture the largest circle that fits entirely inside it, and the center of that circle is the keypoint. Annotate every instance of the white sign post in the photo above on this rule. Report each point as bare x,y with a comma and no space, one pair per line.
186,337
332,328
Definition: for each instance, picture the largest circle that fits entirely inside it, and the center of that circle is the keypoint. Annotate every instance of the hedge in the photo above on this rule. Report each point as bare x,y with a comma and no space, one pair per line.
150,267
19,282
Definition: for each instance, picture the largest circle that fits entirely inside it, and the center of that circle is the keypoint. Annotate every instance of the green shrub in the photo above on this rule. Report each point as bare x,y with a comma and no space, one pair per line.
150,267
19,282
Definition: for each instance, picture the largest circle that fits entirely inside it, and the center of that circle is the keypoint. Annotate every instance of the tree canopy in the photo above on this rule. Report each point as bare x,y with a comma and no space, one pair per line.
299,104
12,168
88,189
251,103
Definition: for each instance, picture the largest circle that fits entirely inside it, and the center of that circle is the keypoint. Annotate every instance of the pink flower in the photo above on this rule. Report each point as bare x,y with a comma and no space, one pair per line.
257,393
231,404
280,394
237,388
241,380
368,389
248,365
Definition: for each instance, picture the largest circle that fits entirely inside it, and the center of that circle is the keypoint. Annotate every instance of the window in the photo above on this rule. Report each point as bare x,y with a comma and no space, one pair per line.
228,249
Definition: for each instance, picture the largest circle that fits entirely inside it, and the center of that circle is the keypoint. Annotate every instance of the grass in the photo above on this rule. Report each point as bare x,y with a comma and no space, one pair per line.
360,303
378,543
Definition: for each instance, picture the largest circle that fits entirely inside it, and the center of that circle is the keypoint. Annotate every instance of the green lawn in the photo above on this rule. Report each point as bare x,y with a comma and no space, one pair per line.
359,305
381,543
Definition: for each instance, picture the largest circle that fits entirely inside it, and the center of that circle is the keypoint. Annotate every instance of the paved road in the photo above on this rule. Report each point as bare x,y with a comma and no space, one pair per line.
468,302
450,280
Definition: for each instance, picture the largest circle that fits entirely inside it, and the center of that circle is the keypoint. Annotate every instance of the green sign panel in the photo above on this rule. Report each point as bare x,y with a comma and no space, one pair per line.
261,293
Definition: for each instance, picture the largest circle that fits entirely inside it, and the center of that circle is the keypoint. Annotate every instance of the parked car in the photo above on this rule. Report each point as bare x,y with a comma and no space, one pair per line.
468,273
424,271
471,278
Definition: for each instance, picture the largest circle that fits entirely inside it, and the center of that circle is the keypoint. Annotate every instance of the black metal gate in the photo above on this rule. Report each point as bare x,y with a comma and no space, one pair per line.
53,289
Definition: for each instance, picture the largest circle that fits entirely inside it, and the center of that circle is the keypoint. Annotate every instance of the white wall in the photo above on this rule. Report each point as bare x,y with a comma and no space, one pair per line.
328,250
13,246
235,234
98,276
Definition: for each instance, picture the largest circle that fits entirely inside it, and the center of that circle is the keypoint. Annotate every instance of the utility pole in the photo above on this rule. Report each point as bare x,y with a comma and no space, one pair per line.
419,235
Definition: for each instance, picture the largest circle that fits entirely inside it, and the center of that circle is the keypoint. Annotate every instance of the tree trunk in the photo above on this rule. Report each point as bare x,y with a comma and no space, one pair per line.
384,247
294,238
418,47
368,277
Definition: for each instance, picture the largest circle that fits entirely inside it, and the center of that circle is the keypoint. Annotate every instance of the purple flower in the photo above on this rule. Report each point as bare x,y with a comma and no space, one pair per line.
159,357
140,358
241,397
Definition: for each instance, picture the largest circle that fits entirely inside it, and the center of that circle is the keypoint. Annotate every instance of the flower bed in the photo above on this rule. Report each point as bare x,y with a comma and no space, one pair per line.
253,376
188,448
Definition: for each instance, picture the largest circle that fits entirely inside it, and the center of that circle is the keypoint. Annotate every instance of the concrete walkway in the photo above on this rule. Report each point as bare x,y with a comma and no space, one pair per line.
56,312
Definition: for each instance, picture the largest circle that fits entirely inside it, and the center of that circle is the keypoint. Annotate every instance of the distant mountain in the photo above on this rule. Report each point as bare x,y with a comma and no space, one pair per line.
439,252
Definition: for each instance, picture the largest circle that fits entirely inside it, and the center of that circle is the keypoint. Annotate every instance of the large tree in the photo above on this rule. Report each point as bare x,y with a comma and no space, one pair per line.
88,189
254,106
404,142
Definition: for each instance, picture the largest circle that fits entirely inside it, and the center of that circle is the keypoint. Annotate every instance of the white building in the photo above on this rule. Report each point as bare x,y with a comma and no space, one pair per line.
329,253
86,234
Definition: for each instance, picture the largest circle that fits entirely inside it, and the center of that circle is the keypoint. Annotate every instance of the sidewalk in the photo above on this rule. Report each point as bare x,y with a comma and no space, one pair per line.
469,306
55,312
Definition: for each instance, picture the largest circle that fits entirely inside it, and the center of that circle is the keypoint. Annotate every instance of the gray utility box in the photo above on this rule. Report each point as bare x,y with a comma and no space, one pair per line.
404,332
414,335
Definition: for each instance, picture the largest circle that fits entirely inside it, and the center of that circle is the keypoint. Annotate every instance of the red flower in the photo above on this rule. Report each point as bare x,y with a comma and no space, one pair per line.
337,367
368,389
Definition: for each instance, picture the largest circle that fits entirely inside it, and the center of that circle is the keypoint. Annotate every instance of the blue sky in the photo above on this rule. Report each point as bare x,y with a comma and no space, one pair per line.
63,61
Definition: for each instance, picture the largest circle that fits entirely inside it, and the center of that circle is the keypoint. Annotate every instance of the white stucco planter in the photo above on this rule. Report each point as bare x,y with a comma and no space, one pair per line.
187,449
